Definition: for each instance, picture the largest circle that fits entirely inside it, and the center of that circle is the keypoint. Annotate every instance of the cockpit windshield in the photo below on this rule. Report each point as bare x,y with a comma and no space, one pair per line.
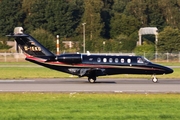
146,61
142,60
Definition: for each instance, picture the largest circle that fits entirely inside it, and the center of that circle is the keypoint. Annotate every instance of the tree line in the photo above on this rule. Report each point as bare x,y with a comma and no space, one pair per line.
111,25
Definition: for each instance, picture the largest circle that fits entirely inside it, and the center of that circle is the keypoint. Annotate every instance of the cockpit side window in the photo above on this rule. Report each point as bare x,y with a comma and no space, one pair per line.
139,60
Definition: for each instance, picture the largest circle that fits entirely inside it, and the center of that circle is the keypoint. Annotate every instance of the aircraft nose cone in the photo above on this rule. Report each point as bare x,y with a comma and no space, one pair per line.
169,70
163,69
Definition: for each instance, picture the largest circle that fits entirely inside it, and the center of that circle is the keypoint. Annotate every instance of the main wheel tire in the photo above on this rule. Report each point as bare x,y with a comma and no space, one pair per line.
92,80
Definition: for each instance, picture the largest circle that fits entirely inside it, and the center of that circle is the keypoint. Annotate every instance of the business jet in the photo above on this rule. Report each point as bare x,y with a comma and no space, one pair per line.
89,65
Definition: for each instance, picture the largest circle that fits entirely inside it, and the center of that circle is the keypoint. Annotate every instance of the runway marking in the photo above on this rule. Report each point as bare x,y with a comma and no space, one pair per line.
11,81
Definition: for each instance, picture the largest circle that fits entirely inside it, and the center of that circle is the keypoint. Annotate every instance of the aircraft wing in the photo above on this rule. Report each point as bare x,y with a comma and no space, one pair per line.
87,71
92,71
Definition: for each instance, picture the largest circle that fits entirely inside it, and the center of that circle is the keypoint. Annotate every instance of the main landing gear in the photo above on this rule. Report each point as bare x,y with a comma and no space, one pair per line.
92,79
154,79
92,76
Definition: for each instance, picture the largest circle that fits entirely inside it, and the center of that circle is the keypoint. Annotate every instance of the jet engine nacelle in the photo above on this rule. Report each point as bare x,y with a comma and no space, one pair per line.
70,58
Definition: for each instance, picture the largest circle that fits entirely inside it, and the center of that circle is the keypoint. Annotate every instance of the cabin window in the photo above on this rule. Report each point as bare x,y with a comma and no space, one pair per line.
110,60
122,60
116,60
105,60
128,60
99,60
139,60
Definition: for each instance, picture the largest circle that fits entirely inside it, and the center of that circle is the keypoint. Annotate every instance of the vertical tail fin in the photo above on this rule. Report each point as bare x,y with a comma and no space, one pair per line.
30,46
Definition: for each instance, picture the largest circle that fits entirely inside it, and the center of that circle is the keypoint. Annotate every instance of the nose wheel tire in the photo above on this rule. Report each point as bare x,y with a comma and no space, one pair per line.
154,79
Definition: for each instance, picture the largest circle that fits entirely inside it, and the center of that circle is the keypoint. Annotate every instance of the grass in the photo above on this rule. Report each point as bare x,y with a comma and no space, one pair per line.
27,70
52,106
30,72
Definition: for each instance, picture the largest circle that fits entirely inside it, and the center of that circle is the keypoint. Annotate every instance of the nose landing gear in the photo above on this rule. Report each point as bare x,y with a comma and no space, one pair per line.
154,79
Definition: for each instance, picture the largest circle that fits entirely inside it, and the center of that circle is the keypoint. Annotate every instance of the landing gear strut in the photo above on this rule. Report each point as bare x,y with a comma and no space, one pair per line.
92,79
92,76
154,79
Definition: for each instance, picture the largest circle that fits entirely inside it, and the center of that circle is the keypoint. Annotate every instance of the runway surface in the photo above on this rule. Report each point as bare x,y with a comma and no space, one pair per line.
82,85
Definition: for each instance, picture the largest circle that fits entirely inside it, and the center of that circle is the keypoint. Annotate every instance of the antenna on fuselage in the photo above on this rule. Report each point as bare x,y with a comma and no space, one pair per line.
88,53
